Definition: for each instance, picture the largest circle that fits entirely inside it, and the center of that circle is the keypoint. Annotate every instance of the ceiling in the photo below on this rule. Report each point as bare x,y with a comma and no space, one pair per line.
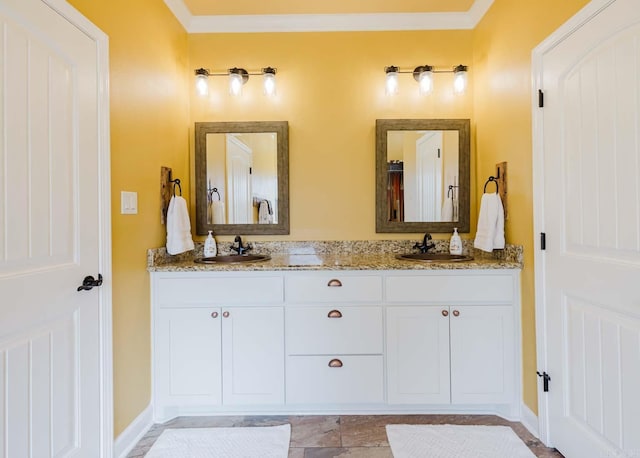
216,7
211,16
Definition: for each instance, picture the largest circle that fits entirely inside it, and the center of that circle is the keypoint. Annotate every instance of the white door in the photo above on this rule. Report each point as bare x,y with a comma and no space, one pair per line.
54,345
589,281
418,355
429,176
239,198
253,355
482,354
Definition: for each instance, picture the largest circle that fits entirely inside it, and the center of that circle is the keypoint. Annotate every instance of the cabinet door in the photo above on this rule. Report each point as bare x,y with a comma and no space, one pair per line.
253,355
482,354
188,356
418,355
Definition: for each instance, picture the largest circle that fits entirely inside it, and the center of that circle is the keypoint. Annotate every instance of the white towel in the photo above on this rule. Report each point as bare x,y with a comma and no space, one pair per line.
490,233
178,227
217,212
264,213
447,210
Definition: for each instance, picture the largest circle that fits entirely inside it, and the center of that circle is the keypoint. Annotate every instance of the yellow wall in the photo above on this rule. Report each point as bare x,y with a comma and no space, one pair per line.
502,45
149,128
331,91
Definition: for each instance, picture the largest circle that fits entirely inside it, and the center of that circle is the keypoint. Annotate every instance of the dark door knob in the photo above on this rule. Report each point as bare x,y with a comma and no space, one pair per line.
89,282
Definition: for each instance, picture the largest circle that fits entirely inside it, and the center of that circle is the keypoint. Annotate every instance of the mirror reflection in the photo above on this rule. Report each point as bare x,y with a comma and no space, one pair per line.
422,175
242,176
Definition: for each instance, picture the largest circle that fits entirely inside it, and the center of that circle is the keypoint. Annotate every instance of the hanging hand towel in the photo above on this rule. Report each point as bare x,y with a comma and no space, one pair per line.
264,213
178,227
217,212
490,233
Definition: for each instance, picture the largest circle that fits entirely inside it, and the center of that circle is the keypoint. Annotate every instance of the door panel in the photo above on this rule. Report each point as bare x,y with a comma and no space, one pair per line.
50,232
482,354
418,355
592,220
253,355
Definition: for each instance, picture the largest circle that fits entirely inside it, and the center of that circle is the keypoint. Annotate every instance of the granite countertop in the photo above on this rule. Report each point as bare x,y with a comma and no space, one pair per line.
359,255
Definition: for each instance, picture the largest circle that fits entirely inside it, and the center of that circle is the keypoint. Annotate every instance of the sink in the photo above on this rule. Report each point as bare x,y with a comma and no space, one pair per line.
435,257
233,259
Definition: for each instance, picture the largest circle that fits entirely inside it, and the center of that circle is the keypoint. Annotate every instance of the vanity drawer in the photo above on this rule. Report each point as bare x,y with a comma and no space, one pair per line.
219,290
311,380
333,330
442,289
334,287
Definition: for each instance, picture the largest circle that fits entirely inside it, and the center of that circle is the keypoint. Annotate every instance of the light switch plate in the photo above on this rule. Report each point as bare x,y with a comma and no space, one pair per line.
128,203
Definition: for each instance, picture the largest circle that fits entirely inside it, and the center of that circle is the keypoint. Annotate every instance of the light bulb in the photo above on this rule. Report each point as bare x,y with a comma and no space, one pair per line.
425,81
460,79
392,80
235,84
202,82
269,81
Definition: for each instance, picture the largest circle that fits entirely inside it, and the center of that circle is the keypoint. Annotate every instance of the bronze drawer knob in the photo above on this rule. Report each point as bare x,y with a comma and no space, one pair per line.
334,314
335,363
334,282
214,314
456,313
445,313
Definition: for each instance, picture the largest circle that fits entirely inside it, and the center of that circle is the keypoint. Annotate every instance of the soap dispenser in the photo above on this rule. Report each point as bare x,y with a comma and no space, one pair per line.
210,247
455,244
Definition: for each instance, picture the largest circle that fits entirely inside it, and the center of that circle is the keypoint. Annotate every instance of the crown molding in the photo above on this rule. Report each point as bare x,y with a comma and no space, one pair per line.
328,22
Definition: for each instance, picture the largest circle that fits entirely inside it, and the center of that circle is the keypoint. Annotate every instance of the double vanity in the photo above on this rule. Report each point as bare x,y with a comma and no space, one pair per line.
336,327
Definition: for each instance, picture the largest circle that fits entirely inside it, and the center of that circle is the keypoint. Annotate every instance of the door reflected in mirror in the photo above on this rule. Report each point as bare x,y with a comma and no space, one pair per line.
422,175
242,177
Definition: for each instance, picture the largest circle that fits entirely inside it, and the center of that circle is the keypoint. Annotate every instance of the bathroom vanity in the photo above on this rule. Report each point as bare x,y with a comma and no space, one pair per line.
320,334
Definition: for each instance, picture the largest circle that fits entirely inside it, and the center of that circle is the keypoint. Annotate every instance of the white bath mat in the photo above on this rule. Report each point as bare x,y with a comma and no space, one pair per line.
254,442
454,441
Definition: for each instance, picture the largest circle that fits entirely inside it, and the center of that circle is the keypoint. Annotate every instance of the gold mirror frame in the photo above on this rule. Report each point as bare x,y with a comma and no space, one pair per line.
383,126
281,128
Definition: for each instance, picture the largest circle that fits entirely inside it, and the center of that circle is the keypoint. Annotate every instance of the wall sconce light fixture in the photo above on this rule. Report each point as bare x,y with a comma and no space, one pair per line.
238,77
423,74
391,85
460,79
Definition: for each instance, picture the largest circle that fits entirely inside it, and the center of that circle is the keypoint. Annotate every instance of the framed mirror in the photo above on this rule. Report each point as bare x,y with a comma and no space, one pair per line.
422,175
242,177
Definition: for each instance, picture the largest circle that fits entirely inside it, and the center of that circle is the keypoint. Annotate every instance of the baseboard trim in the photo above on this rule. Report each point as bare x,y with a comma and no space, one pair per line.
530,420
125,442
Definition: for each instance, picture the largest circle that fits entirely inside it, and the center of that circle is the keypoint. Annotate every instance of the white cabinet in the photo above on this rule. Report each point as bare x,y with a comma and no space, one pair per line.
336,341
252,356
211,357
482,354
220,356
418,355
335,350
188,356
450,354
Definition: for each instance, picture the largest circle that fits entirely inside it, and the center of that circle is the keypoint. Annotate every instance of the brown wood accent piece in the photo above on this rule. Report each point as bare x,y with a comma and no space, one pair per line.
501,174
166,191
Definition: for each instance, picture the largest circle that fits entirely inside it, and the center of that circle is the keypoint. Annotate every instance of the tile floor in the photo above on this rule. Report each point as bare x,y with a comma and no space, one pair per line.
353,436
